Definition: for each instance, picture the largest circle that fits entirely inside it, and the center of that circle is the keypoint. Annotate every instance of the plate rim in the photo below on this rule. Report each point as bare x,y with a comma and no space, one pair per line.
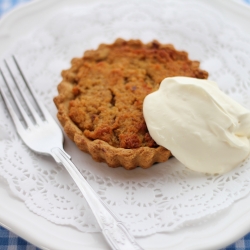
6,24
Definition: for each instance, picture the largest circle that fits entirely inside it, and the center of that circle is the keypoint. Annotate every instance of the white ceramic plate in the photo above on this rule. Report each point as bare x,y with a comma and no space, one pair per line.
14,215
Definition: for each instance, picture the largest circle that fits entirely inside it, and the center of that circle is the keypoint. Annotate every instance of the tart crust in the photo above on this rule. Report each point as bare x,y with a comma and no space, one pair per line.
144,155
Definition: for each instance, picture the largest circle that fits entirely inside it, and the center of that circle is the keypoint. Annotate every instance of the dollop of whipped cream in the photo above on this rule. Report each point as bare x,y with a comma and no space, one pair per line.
204,128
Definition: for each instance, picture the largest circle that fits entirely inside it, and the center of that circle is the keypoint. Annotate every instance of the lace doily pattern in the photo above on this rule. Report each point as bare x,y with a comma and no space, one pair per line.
160,199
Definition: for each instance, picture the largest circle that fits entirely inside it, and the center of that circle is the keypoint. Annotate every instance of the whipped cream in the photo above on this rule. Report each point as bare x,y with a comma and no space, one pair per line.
204,128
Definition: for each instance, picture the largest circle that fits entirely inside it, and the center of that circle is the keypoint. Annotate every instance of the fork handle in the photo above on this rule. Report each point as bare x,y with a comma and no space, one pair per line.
112,228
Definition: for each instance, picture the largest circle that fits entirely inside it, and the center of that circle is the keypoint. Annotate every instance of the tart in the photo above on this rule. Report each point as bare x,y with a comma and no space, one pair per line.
101,97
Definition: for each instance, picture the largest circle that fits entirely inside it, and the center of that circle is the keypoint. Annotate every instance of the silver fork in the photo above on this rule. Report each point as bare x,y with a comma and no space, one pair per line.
42,135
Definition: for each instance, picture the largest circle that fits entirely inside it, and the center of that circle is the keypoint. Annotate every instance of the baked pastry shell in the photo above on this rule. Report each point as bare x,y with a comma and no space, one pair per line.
101,151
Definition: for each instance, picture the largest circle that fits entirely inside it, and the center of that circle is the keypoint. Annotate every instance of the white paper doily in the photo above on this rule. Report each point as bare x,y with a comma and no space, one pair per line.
166,196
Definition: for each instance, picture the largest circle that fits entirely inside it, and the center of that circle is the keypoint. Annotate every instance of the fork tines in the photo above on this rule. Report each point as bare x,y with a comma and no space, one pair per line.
21,108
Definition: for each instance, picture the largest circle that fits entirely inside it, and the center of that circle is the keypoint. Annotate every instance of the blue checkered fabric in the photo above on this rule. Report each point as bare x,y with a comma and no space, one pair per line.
242,244
6,5
10,241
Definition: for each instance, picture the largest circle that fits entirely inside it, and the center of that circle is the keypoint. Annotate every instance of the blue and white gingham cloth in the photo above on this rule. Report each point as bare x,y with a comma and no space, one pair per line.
10,241
6,5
